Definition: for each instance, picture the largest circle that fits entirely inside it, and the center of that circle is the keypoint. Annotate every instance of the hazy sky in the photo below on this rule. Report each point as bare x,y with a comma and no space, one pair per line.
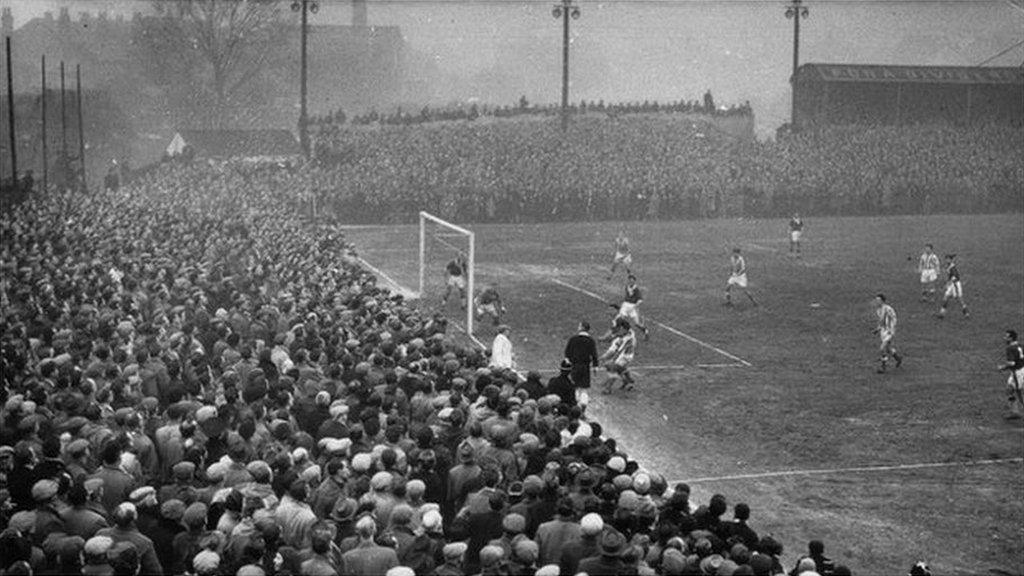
664,49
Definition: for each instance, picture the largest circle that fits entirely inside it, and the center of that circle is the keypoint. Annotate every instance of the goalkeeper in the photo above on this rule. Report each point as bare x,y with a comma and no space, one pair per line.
489,303
455,278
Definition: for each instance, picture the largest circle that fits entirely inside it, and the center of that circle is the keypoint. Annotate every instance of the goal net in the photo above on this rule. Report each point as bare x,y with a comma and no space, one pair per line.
441,243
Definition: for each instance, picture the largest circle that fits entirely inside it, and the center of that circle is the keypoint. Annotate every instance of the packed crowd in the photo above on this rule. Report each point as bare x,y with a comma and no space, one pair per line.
196,380
523,108
662,167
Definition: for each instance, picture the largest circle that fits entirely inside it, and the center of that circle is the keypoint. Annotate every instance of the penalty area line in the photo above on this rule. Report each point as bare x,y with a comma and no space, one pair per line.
882,468
666,327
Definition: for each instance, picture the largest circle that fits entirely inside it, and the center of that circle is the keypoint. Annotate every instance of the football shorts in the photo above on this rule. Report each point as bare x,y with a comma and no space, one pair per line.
623,258
928,276
954,290
457,282
630,311
738,280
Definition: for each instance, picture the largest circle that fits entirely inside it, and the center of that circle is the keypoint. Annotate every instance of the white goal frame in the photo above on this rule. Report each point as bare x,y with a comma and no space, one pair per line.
470,261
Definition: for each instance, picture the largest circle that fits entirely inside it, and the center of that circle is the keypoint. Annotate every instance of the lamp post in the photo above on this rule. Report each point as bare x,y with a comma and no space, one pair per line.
565,10
304,7
795,11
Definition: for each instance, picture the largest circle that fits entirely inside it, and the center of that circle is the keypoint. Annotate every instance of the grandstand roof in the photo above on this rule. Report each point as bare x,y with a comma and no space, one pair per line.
235,143
914,74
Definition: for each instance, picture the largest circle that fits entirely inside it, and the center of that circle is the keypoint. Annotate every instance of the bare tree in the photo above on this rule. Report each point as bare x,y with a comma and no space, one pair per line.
225,45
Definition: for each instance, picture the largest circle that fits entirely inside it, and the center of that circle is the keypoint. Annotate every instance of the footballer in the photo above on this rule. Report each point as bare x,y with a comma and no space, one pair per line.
622,254
886,330
489,303
796,230
455,278
954,288
737,278
619,356
928,267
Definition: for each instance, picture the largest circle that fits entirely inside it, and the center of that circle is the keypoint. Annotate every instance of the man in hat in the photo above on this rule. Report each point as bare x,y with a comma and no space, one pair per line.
562,385
581,351
183,487
454,555
96,561
461,475
78,466
611,547
47,519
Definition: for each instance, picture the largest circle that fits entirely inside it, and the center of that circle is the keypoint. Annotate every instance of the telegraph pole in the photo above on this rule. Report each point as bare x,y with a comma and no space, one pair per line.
795,11
81,131
565,10
304,7
63,129
10,117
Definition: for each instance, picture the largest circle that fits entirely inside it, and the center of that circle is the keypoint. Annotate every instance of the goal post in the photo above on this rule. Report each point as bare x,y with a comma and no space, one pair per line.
427,219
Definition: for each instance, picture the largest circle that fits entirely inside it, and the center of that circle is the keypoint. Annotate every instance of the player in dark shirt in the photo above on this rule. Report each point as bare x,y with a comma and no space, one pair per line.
1015,366
456,278
954,289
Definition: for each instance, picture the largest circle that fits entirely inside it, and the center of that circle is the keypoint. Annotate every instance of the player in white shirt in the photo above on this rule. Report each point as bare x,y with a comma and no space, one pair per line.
737,278
928,267
619,356
886,330
622,253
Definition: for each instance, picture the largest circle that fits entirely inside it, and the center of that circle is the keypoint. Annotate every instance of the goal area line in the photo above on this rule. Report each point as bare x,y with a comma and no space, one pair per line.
851,470
665,327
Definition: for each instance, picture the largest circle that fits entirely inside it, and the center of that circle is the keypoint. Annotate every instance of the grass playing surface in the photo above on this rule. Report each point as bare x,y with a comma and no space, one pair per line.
810,399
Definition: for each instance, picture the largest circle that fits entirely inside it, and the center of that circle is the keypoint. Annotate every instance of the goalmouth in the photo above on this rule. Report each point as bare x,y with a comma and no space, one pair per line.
428,220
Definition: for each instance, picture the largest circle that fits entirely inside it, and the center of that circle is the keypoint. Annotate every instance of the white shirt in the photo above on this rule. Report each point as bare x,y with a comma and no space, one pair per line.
501,352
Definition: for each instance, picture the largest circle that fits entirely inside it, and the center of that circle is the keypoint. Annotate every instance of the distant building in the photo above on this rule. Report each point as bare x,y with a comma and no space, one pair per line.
854,93
248,145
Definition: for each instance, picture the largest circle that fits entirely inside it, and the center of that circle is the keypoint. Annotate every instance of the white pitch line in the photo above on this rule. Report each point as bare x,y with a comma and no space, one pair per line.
664,368
380,274
471,336
888,468
663,325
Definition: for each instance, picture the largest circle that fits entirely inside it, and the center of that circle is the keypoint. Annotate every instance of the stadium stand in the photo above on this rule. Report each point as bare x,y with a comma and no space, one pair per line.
662,166
189,387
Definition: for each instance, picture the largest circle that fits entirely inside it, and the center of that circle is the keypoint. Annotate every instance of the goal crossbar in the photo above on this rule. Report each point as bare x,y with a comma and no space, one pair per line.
470,260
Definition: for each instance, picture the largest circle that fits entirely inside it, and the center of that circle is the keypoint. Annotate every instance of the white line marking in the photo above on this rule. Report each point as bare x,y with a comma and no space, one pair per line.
729,365
855,469
754,246
471,336
661,324
407,293
702,343
665,368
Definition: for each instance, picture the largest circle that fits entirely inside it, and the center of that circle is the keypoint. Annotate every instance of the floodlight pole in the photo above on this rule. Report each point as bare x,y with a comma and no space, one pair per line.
10,118
795,11
304,7
565,10
81,125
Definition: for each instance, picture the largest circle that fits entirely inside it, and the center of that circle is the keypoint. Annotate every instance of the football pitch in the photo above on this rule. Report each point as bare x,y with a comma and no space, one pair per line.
779,405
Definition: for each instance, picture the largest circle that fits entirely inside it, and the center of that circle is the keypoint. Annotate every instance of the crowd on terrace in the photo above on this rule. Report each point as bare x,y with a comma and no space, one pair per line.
661,167
198,380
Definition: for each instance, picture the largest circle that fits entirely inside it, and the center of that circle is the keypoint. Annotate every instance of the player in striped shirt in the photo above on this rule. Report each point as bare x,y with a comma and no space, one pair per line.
622,254
619,356
928,267
886,330
796,229
954,289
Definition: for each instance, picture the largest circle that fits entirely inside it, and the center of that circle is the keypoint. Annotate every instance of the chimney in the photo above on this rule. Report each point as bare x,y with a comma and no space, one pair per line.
8,22
359,13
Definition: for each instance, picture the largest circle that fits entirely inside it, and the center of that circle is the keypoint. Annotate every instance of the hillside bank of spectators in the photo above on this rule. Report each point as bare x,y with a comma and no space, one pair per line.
198,380
659,166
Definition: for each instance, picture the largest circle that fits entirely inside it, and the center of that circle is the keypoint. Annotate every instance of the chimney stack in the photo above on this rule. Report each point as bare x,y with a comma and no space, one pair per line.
359,19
